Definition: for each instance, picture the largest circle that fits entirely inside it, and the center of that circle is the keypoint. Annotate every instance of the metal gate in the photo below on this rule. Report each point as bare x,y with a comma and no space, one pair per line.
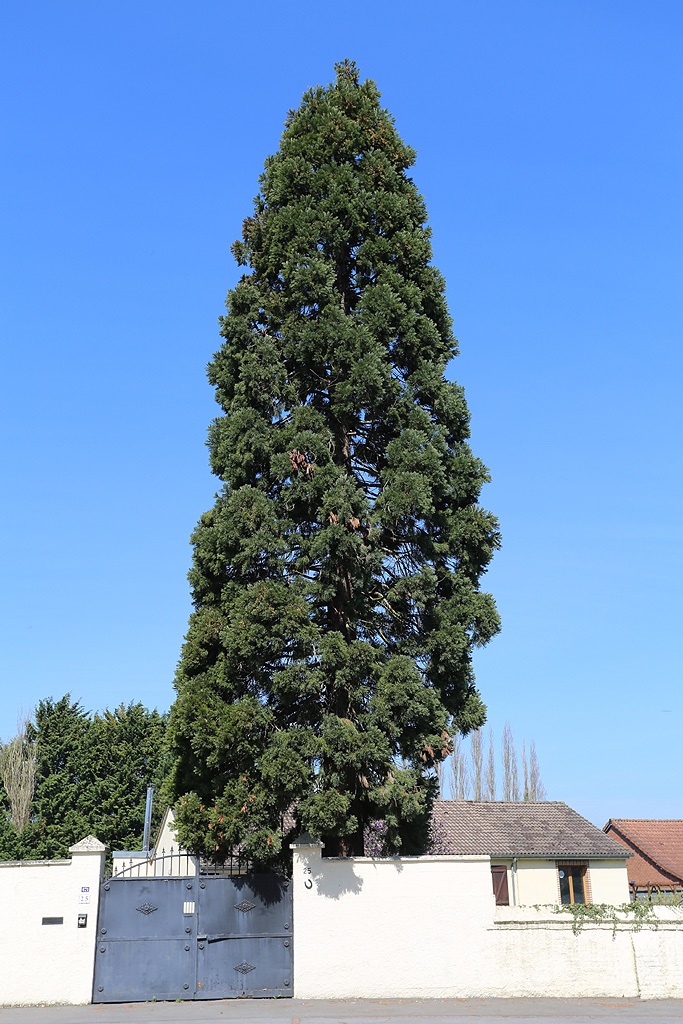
195,937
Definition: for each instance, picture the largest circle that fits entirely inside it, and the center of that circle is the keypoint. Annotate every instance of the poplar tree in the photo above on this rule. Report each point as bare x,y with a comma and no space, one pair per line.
477,764
18,768
335,581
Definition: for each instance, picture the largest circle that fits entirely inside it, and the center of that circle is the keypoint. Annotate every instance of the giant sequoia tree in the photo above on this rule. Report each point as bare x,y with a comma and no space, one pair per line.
336,579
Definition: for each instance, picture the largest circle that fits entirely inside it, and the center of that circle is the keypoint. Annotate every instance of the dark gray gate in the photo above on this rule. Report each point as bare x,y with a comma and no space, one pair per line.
197,937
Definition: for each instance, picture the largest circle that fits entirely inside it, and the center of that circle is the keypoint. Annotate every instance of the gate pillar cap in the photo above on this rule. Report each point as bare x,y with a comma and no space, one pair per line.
306,839
88,845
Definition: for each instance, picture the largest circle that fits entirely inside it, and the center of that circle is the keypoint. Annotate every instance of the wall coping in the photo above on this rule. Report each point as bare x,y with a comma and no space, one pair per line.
544,915
427,859
35,863
90,844
307,841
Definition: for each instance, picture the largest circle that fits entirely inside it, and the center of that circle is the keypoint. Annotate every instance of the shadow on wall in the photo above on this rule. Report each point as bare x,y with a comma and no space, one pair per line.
333,878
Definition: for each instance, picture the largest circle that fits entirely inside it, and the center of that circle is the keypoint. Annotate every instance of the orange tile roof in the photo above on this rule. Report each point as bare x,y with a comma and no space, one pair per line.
657,846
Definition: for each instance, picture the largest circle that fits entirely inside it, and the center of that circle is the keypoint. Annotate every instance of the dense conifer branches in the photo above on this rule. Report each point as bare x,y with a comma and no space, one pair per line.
336,579
79,775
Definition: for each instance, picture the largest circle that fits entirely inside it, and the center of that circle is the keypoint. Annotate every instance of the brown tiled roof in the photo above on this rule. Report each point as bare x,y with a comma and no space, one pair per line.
501,829
657,846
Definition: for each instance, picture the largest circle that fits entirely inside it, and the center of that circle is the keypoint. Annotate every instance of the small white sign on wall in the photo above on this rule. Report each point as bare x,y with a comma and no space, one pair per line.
84,895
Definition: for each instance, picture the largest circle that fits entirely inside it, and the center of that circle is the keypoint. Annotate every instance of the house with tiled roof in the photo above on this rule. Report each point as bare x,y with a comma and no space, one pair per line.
541,853
656,864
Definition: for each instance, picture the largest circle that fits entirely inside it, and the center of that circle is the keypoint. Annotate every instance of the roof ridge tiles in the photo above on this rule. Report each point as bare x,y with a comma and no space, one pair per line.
650,821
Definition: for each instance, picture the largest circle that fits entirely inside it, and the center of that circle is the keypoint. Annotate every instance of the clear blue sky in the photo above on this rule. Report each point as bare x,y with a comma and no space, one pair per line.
550,155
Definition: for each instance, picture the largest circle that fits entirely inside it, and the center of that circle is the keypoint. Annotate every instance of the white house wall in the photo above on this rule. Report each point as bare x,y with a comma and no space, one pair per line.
609,881
166,840
536,882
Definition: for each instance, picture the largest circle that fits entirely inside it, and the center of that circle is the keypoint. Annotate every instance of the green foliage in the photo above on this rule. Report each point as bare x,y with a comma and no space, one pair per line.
336,579
634,914
128,755
63,799
92,778
9,841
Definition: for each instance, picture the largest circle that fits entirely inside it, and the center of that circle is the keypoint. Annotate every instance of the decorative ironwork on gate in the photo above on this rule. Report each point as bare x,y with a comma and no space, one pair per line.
176,863
147,908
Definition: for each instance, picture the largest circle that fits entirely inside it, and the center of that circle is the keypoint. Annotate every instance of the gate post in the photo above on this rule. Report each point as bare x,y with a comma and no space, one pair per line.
306,874
87,865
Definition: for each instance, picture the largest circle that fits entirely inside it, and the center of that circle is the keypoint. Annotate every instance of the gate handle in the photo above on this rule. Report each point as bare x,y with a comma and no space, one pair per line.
237,935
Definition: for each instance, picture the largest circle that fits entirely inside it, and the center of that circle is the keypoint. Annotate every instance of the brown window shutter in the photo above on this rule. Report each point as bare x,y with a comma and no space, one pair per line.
499,877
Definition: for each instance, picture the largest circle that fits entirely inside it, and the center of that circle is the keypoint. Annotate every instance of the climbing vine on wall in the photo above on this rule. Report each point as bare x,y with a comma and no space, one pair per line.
637,915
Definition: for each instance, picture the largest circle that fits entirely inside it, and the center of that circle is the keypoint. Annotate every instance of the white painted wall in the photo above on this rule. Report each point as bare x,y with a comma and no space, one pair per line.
49,963
428,927
541,956
609,881
532,882
366,928
536,882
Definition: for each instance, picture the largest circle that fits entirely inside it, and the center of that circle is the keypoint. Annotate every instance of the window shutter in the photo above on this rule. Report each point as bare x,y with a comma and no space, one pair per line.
499,878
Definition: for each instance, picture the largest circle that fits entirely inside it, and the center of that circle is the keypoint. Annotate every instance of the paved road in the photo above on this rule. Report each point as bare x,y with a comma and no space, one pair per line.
378,1011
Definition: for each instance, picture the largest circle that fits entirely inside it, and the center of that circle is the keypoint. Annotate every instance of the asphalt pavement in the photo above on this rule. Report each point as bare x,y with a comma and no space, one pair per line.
361,1011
